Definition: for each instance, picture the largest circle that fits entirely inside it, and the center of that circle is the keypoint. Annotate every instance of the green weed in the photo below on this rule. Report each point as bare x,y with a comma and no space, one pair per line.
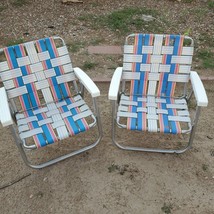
97,41
205,167
19,3
14,42
113,168
89,65
76,46
166,208
207,58
2,8
211,4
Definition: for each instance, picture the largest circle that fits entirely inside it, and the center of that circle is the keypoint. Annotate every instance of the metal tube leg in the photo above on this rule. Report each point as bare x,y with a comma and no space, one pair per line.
96,108
19,145
197,114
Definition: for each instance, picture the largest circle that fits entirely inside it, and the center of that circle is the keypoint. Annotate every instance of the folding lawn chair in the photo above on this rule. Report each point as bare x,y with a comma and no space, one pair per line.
44,97
153,65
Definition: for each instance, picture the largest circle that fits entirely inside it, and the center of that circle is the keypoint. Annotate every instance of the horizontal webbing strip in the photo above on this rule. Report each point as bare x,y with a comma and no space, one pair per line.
30,133
17,92
65,78
62,50
60,60
11,74
81,115
168,50
131,75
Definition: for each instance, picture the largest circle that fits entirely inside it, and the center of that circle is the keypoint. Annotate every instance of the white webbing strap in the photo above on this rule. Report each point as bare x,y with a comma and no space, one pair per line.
62,132
31,52
31,133
60,60
76,104
45,121
81,115
127,114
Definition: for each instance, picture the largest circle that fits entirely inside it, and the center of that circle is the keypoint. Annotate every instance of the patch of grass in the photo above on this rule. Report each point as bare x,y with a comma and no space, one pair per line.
166,208
129,18
76,46
97,41
14,42
87,17
2,8
211,4
200,12
188,1
207,58
19,3
126,20
89,65
205,167
207,40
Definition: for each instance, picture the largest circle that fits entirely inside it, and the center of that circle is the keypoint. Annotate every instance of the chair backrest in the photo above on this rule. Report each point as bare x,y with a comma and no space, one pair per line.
37,72
155,63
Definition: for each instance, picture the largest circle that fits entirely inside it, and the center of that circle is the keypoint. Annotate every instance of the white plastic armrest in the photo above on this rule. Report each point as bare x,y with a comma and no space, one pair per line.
198,89
115,84
87,82
5,116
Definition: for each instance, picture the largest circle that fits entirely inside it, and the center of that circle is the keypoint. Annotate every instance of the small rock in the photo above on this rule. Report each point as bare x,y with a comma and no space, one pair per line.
209,137
206,178
31,196
45,179
147,18
71,1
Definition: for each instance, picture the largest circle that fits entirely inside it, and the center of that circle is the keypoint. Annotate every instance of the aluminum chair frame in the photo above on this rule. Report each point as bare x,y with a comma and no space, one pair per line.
8,110
117,89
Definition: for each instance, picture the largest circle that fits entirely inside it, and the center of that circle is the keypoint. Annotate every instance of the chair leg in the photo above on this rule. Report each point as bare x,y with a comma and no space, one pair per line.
53,161
142,149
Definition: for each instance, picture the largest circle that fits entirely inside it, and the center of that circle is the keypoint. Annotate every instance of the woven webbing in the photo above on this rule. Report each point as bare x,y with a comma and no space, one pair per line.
161,60
37,66
154,114
54,121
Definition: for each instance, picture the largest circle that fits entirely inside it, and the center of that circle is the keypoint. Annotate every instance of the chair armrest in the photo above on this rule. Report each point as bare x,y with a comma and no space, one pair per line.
198,89
5,115
115,84
87,82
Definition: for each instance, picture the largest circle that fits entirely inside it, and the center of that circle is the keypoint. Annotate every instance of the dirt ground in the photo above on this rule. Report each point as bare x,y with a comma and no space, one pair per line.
107,179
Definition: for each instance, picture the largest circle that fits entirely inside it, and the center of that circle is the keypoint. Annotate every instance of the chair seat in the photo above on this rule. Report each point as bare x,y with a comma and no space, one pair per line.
154,114
55,121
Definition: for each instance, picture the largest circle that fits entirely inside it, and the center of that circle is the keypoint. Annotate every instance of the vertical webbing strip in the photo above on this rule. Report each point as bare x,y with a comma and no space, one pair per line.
131,122
175,126
163,119
41,46
59,69
70,124
177,51
146,59
164,76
